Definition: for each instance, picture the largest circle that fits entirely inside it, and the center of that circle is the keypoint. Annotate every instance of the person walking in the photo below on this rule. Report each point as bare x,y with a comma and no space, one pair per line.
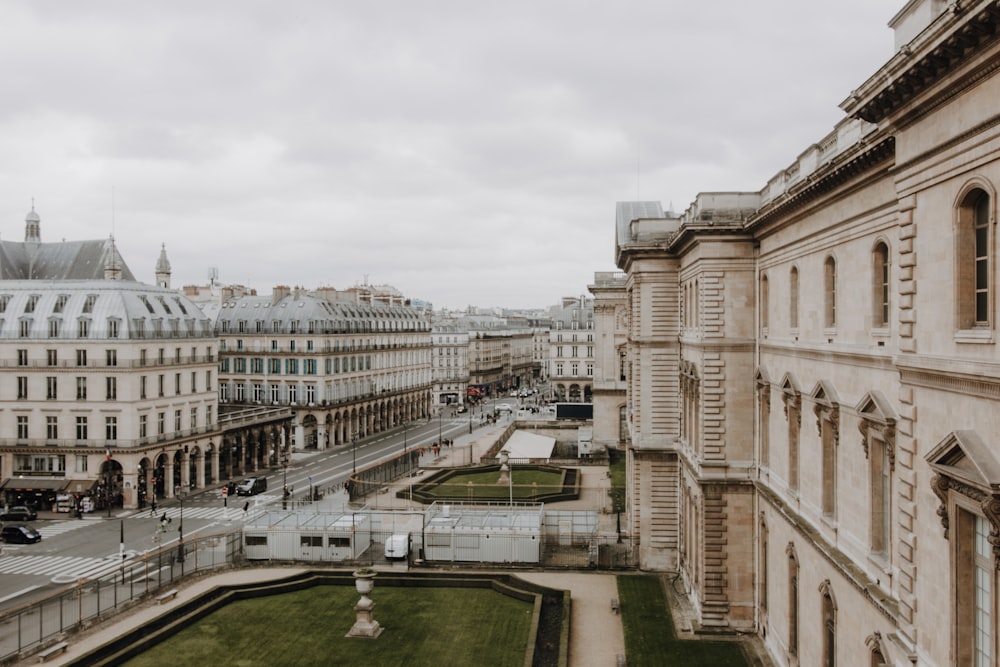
152,506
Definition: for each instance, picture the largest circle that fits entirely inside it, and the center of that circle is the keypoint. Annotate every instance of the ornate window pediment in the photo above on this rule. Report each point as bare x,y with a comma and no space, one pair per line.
791,395
878,418
827,407
963,463
763,384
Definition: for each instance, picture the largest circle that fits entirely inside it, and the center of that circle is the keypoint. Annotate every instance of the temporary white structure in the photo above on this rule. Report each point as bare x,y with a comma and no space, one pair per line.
483,533
311,536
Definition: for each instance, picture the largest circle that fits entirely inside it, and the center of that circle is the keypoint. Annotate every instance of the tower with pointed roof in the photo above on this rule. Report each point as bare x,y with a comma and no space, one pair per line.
163,268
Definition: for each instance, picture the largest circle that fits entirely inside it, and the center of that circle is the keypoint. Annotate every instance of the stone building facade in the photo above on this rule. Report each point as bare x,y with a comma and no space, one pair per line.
610,398
813,374
110,385
346,370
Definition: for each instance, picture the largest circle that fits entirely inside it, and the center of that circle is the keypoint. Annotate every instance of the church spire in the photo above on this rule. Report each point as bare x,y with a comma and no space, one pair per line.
112,262
32,225
163,268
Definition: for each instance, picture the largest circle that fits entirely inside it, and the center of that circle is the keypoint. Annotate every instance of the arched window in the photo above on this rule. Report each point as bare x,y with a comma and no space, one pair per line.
880,286
974,255
793,298
830,293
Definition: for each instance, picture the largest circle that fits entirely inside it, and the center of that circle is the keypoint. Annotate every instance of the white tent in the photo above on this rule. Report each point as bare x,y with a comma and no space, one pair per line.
526,445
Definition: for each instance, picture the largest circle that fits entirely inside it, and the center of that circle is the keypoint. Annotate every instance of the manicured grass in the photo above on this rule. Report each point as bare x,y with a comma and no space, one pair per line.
525,483
618,479
650,640
423,626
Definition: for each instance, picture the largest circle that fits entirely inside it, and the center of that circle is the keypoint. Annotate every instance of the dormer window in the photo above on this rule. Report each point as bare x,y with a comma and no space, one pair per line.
29,307
60,303
88,304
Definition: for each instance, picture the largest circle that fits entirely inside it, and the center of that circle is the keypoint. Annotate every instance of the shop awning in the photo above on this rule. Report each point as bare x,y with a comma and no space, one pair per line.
34,484
79,486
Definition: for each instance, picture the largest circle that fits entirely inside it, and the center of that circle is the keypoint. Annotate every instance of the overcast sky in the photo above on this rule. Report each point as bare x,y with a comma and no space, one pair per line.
465,152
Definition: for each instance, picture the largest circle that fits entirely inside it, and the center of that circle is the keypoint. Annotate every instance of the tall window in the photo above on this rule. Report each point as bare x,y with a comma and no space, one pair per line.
765,296
829,626
22,387
793,600
764,420
880,286
762,569
111,428
22,427
52,427
793,413
973,252
81,389
51,388
112,388
793,298
978,562
830,293
81,428
880,494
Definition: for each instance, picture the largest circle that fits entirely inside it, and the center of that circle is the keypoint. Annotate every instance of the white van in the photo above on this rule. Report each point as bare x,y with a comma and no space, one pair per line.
397,547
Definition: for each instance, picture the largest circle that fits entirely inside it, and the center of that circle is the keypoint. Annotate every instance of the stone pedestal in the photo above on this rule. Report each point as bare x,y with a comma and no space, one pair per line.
364,624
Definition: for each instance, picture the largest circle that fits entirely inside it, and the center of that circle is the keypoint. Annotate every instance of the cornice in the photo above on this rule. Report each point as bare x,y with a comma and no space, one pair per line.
827,179
892,92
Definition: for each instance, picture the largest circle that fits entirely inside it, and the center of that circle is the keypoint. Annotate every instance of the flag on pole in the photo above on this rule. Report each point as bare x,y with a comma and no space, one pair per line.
107,455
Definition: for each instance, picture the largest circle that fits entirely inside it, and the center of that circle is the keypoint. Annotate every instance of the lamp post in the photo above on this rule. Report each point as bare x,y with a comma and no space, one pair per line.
284,482
180,526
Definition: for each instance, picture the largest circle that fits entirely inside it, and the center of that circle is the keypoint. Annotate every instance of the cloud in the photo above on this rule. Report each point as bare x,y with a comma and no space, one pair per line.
467,153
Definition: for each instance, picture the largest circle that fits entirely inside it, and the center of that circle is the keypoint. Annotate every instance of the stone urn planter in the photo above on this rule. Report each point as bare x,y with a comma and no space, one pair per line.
364,624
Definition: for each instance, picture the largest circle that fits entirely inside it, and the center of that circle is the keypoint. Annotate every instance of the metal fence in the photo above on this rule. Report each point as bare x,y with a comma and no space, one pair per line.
567,539
26,629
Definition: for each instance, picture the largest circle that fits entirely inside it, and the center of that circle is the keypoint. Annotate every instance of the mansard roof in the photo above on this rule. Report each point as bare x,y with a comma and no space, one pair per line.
138,311
279,316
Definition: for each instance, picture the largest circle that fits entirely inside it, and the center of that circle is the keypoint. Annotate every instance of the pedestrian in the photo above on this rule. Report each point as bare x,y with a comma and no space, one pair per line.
152,507
246,506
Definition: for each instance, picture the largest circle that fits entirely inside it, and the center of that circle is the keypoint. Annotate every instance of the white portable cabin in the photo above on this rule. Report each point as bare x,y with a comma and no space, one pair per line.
483,533
309,536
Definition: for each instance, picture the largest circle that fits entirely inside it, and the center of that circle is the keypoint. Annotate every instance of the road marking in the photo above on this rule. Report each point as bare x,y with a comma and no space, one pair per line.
19,593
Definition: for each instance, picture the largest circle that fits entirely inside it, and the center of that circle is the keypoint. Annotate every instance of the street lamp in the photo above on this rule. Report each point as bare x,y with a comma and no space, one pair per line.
284,482
180,526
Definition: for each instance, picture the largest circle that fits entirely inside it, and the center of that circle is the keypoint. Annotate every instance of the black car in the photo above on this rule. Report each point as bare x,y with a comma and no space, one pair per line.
19,513
20,535
460,409
251,486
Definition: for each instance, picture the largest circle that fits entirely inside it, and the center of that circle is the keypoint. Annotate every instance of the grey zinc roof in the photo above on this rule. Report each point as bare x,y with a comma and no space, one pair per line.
141,311
304,308
67,260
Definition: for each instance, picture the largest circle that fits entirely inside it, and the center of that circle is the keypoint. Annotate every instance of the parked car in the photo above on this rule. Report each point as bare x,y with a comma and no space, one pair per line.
460,409
251,486
19,513
20,535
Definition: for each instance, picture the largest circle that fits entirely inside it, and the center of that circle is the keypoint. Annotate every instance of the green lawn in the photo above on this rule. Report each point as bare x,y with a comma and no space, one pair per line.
650,640
433,627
